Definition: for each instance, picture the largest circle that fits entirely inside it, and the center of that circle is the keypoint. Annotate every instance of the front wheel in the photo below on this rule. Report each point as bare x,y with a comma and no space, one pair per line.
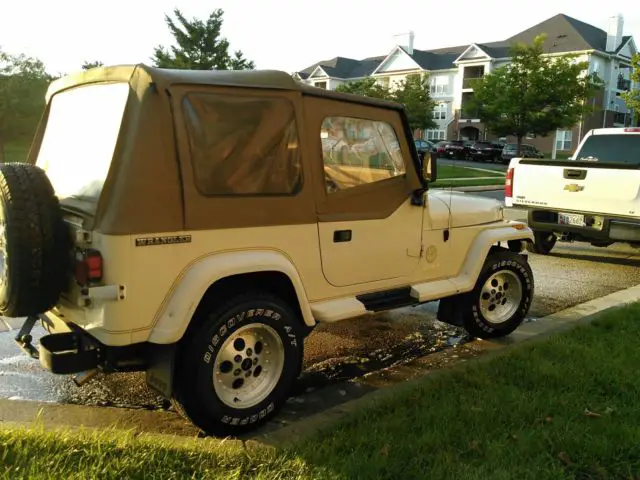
236,370
501,298
543,243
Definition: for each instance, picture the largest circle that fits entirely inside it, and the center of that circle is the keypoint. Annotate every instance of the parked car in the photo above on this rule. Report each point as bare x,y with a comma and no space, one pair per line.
456,149
592,197
484,151
526,151
424,147
213,294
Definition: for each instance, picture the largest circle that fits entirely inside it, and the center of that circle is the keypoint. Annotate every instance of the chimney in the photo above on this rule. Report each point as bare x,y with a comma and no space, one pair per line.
409,45
614,32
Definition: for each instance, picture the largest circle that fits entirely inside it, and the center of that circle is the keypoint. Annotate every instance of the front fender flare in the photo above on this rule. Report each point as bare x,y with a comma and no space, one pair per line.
175,313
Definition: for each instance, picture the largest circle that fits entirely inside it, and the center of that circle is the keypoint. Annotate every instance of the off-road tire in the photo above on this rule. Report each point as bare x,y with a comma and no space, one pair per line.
474,321
543,243
194,394
34,240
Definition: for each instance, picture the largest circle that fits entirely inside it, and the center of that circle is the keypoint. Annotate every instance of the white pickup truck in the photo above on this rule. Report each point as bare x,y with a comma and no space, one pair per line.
594,196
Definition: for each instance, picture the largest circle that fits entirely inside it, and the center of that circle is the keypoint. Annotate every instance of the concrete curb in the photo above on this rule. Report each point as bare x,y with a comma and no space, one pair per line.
533,331
23,413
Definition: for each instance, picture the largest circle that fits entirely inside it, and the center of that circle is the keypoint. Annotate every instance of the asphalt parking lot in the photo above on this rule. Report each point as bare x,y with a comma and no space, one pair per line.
572,274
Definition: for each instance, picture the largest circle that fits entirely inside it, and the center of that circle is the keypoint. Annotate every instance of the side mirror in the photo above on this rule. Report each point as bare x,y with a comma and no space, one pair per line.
430,167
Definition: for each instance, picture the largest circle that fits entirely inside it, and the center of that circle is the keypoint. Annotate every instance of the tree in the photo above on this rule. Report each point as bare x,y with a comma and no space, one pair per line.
199,45
23,85
632,98
368,87
534,94
411,92
89,65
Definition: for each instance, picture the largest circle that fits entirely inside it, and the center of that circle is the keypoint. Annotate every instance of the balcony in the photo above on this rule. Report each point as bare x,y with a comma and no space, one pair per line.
624,84
619,119
468,114
469,82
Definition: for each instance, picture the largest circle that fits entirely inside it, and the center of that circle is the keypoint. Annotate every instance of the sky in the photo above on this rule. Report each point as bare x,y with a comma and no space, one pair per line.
281,34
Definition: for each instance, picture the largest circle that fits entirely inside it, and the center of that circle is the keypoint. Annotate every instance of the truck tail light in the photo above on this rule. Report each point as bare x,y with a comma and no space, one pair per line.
508,184
632,129
88,266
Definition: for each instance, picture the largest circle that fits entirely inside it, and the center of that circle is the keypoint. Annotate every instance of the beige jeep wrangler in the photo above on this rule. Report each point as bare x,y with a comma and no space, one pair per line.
197,225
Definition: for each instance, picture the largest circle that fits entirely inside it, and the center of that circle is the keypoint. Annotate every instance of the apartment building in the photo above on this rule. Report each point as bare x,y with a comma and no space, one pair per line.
452,72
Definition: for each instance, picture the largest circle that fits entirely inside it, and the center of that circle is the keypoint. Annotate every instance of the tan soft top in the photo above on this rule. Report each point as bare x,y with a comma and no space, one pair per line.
163,78
150,186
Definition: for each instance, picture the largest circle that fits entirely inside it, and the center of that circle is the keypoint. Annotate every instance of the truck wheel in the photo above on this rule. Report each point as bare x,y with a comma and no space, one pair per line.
236,370
501,298
543,243
34,242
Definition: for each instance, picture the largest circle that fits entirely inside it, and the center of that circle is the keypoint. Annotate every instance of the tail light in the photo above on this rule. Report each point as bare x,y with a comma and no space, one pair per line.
88,266
632,129
508,184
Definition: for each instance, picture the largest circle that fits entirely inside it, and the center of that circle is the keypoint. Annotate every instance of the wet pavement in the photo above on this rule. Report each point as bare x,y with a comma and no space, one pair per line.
338,354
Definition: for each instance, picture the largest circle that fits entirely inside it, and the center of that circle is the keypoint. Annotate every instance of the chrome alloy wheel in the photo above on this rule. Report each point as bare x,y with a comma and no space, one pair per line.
500,296
248,366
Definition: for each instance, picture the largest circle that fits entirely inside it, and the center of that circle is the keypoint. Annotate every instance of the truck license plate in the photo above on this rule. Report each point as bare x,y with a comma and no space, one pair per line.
574,219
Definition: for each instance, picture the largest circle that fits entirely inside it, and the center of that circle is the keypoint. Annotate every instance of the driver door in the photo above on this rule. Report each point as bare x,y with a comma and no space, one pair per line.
364,177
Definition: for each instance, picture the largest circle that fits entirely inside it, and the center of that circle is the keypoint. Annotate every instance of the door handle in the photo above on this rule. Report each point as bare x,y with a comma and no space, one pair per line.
341,236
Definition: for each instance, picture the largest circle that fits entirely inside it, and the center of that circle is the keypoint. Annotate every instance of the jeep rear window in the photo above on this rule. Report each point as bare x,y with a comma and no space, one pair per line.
80,137
615,148
243,145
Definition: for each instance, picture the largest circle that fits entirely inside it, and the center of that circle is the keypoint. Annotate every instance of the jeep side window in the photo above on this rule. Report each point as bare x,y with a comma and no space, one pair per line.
243,145
357,151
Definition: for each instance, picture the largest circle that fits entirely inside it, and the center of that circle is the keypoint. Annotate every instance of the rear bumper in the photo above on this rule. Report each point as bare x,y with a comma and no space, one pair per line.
69,349
605,228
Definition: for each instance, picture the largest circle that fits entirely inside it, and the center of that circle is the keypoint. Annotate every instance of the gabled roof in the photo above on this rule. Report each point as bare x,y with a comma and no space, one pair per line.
624,41
564,34
342,67
396,49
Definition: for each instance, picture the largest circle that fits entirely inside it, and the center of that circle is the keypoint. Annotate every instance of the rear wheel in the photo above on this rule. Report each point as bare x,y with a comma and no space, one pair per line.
501,298
236,370
543,243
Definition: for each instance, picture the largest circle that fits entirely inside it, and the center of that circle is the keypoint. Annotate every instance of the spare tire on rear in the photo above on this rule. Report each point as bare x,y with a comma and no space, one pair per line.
34,242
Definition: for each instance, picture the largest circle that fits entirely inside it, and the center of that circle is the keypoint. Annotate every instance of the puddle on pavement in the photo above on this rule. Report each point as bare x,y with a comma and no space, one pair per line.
334,354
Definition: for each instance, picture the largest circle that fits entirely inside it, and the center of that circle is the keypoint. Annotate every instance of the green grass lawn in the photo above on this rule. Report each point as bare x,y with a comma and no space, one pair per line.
454,171
467,182
566,407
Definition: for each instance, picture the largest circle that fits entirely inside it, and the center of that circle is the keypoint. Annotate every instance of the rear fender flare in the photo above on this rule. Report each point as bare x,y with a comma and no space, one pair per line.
177,310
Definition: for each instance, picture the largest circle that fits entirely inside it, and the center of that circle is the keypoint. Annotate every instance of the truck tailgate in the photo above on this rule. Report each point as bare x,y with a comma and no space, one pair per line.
577,186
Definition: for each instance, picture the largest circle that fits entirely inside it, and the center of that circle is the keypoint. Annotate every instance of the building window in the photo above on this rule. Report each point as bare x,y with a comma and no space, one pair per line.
220,128
440,112
436,134
356,152
321,85
439,85
563,140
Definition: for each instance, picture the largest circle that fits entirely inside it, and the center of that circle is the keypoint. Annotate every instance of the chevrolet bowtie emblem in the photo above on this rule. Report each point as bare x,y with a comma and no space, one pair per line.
573,187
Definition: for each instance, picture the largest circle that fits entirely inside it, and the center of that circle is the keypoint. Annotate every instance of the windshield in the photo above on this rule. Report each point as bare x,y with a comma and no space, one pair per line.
617,148
80,137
